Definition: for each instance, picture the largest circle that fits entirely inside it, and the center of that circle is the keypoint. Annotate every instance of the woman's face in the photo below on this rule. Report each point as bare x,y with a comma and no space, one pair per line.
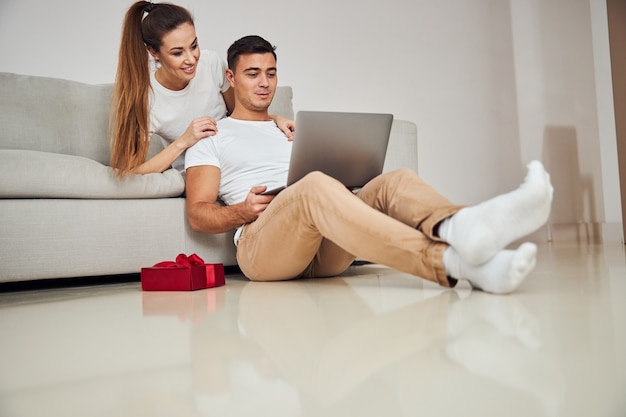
178,57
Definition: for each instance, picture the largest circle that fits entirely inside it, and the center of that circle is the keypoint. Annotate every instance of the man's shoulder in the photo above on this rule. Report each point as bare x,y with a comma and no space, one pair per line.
225,127
227,130
226,121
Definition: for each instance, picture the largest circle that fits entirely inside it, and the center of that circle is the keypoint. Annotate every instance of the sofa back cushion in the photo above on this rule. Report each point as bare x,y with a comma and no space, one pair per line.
54,115
69,117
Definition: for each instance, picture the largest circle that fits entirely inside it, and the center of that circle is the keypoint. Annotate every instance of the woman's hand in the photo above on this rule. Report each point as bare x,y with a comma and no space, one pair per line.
199,128
287,126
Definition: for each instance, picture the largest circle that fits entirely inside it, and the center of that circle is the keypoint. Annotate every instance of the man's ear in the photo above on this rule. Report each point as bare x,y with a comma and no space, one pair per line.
230,76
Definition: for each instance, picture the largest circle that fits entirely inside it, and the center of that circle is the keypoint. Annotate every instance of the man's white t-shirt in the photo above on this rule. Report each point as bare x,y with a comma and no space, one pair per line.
247,153
171,112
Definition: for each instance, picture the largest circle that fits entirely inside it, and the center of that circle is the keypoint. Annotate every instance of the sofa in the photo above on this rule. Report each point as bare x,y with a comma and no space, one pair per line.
63,211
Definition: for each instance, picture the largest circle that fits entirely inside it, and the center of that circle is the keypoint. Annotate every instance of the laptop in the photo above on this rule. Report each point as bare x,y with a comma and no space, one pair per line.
349,147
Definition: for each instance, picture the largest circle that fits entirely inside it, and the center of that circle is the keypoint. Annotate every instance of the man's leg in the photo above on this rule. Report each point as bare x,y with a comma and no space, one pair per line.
400,194
409,244
318,217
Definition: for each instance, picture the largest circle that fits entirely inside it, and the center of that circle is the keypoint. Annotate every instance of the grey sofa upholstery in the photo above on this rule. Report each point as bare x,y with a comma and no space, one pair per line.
63,212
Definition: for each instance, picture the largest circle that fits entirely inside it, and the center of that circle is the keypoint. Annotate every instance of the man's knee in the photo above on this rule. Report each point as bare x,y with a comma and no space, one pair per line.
402,173
317,179
401,177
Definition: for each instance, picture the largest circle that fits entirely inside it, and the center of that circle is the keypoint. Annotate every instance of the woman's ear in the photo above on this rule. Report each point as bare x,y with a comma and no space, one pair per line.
152,52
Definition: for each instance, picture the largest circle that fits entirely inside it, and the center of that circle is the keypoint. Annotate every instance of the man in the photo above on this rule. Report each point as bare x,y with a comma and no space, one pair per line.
316,227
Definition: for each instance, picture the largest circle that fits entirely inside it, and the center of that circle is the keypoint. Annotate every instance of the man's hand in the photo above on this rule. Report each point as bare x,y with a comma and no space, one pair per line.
256,203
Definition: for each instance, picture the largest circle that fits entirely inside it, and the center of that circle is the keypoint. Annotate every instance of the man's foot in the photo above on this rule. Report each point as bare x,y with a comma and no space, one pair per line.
478,232
502,274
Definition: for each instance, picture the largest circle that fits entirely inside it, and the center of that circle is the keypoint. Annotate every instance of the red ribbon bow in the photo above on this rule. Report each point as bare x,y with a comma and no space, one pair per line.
182,260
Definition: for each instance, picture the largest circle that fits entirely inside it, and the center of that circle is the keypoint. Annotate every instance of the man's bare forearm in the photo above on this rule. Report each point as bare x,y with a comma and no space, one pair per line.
215,218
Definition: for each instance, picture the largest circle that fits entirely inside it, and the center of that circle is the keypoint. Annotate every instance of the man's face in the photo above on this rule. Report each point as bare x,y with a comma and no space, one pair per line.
254,81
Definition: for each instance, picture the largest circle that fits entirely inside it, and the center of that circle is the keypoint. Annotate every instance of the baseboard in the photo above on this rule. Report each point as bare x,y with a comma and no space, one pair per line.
613,233
579,232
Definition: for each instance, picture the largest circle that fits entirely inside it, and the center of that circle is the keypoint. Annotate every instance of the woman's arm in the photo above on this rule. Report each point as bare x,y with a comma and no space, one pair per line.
199,128
161,161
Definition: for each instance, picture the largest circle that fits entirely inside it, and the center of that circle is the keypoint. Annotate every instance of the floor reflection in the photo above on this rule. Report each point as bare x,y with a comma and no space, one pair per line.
317,347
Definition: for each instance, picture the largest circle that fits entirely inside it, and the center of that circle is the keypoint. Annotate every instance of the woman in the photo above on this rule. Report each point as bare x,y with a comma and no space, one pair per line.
180,101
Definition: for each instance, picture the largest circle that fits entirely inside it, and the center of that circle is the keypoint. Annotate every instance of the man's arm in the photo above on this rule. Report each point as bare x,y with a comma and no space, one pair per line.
204,215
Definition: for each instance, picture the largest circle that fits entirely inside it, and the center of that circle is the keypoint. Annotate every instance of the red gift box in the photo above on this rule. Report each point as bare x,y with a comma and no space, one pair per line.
185,274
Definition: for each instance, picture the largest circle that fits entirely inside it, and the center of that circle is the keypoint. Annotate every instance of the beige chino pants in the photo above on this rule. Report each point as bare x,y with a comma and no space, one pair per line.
317,228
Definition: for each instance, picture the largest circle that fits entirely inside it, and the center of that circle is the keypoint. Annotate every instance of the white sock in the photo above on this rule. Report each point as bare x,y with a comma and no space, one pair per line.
478,232
502,274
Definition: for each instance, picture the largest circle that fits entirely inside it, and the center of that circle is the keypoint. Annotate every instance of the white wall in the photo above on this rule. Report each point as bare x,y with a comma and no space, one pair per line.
491,84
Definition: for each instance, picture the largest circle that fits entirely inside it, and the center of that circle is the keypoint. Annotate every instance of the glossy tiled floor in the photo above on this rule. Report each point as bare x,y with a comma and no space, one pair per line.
372,343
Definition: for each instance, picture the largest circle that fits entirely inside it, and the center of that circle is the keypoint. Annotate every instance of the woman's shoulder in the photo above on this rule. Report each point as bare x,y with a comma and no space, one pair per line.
213,64
210,55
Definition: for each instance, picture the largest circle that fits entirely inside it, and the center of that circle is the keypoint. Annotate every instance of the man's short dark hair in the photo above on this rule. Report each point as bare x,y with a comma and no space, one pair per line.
251,44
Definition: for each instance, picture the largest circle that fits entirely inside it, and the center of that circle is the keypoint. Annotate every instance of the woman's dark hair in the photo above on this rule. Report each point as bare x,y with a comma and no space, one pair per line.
161,19
145,25
251,44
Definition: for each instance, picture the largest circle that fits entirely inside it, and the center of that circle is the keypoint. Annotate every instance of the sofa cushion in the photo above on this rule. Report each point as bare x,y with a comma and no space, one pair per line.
35,174
55,115
282,103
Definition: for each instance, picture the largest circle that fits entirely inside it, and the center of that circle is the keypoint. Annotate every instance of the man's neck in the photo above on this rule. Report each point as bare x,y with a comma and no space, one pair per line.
252,116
